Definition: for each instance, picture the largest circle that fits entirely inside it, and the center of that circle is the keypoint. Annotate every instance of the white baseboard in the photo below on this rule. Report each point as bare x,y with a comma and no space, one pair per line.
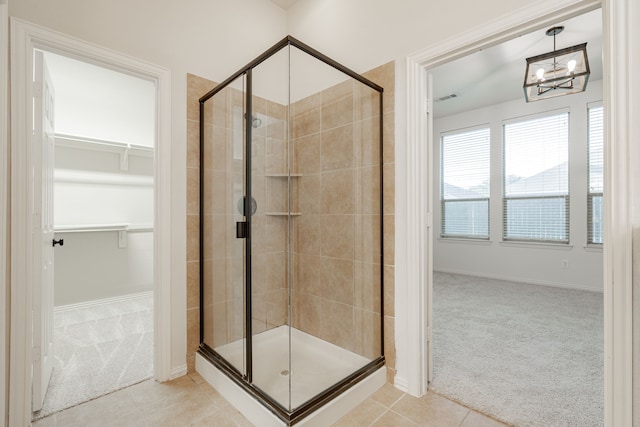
518,279
93,303
401,384
177,372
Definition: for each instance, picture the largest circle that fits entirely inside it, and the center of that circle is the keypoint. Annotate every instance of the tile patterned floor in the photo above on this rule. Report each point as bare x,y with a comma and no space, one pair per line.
190,402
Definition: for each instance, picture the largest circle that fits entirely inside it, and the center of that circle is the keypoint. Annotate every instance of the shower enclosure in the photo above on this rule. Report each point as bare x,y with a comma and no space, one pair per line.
291,229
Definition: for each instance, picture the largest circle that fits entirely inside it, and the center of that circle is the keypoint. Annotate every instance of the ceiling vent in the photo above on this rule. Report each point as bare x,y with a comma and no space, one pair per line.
447,97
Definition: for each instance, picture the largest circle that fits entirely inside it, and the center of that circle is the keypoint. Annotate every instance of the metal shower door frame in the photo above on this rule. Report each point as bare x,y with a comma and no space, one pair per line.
245,380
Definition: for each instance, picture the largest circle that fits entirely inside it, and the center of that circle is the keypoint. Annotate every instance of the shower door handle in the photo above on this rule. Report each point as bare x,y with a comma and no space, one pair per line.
241,230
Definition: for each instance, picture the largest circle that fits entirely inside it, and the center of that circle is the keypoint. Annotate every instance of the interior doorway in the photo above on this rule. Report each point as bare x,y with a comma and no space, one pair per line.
25,283
102,201
480,259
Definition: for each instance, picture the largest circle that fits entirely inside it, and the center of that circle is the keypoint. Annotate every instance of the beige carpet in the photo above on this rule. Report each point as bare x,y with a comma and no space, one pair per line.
527,355
98,350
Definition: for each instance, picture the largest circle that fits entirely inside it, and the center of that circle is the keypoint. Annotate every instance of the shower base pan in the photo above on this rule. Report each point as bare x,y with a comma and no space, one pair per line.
316,365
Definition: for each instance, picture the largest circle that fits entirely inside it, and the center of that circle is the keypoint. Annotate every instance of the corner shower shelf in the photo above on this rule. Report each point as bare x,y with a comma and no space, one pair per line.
283,175
283,213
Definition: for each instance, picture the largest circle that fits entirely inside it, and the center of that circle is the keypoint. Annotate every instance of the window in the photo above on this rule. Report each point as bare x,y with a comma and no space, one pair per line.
464,184
595,166
536,179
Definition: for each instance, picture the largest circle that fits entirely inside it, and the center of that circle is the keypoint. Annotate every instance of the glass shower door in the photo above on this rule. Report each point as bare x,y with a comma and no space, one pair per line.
222,198
269,186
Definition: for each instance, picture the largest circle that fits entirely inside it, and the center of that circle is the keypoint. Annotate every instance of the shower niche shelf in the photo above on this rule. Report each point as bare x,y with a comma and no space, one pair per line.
280,180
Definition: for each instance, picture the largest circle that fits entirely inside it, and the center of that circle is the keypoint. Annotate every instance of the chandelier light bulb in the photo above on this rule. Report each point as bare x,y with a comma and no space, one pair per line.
540,73
571,65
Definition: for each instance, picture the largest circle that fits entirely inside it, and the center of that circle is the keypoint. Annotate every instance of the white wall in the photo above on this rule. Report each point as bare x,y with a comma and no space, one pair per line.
92,266
100,103
539,264
207,38
90,190
363,34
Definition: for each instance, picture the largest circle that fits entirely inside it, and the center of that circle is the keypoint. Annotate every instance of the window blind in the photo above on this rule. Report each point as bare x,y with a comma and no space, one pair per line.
595,165
464,184
536,179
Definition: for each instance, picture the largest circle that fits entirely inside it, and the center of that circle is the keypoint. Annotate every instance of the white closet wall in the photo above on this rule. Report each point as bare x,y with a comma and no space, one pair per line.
103,191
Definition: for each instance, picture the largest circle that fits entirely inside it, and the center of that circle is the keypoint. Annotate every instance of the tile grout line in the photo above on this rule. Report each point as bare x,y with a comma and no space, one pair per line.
398,400
403,416
465,417
379,416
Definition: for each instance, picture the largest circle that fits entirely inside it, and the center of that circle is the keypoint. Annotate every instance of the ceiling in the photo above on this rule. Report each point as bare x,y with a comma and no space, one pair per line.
284,4
496,74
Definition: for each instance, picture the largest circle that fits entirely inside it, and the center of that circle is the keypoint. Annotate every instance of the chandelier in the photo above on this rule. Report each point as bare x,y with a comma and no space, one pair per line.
556,73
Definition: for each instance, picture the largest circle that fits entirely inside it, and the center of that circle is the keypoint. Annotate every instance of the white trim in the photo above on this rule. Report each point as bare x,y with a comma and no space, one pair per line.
465,241
536,245
103,301
24,38
4,180
177,372
412,244
621,130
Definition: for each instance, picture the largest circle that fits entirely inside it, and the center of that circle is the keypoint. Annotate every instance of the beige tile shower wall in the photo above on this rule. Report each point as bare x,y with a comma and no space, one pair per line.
385,77
333,296
222,261
336,240
196,86
269,188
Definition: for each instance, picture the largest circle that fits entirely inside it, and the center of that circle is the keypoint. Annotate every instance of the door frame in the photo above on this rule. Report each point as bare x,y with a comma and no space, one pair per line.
413,179
4,179
25,37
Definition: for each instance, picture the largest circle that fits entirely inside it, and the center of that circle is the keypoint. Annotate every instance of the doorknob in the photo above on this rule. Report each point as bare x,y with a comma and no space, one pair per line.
58,242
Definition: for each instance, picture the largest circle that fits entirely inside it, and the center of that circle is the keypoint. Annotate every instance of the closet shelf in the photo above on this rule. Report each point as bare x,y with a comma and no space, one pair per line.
102,145
88,228
121,148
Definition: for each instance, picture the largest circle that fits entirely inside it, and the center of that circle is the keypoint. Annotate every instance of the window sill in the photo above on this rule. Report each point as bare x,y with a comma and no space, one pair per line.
466,241
593,248
535,245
